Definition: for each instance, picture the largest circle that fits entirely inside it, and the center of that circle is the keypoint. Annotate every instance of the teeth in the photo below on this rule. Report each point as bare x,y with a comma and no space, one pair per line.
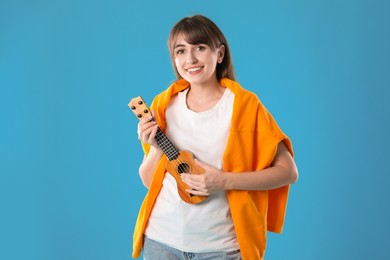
193,69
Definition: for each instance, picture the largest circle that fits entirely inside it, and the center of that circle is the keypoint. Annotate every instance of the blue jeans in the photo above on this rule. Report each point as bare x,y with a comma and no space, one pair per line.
156,251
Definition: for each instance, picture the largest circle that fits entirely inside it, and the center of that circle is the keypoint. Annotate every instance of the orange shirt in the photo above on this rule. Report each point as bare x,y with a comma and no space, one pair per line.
252,145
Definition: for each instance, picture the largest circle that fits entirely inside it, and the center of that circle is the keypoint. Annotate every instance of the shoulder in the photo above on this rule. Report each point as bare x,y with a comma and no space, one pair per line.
241,94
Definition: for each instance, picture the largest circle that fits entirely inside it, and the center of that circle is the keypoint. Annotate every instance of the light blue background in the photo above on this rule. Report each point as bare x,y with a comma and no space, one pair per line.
69,187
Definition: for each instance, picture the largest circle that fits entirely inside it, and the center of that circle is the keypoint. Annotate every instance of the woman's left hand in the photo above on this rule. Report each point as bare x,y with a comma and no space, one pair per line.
205,184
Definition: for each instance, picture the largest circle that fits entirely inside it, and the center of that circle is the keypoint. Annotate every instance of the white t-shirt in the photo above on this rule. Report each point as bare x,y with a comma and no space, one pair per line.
208,226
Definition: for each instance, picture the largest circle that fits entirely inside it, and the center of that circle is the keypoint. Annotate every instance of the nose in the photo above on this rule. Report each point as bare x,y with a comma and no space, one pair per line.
191,59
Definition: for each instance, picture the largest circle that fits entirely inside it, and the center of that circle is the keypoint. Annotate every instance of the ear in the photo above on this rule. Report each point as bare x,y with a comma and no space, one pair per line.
221,53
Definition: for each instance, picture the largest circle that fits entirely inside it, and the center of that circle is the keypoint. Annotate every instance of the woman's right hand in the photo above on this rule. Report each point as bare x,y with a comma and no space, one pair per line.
147,129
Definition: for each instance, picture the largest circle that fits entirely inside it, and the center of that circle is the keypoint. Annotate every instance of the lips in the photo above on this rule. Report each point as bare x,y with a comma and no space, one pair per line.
194,70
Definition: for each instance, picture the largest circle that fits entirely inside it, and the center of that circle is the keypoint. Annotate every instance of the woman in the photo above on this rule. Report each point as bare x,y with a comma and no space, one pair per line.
247,160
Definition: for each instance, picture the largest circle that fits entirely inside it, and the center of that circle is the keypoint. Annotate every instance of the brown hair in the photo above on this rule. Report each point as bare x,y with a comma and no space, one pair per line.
200,29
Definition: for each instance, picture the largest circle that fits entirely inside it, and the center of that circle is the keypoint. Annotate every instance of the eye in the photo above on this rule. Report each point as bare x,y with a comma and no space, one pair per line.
179,51
200,48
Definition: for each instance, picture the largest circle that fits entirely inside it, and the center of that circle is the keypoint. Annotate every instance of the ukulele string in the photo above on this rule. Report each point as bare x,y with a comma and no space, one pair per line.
181,166
178,163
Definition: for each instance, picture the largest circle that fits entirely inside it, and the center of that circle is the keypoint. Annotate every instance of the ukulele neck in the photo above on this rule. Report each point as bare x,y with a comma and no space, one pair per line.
166,146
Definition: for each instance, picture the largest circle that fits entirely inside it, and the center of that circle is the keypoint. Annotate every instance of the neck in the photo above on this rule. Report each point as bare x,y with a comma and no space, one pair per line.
205,91
203,97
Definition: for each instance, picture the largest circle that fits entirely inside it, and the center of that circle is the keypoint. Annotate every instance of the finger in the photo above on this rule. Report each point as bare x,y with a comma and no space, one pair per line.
152,114
146,119
195,186
144,135
197,192
187,180
145,125
191,178
153,133
145,129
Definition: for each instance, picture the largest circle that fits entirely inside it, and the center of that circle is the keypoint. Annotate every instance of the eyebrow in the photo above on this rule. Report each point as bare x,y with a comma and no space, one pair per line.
179,45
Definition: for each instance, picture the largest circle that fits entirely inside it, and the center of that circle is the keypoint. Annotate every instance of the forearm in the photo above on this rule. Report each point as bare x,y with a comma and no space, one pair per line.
267,179
148,166
283,171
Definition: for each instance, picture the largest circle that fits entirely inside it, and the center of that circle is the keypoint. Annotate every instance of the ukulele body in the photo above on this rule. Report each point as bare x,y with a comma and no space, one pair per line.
185,164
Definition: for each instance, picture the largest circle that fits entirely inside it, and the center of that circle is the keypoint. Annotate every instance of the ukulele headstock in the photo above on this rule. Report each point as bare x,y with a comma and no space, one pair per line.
139,107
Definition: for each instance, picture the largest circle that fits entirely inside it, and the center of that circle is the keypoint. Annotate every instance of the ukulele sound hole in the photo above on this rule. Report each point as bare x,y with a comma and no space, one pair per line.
183,167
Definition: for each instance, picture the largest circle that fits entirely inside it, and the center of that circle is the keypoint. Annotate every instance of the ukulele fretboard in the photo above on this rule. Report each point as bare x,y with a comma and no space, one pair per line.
165,144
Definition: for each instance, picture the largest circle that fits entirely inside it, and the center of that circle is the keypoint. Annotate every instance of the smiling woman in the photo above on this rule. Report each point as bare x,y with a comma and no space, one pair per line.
226,128
196,32
196,62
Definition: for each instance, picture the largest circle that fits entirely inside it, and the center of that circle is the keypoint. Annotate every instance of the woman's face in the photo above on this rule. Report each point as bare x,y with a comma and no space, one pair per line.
196,63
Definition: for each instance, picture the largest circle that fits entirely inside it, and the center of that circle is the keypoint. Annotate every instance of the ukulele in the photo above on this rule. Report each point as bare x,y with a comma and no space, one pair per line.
178,161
